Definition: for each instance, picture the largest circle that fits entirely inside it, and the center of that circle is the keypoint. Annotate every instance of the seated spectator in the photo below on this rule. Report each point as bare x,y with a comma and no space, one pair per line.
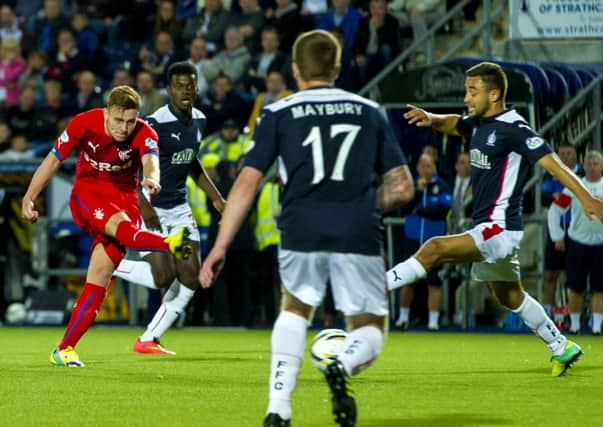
88,95
228,143
344,16
315,8
211,24
18,150
166,20
417,14
199,56
232,61
5,136
348,72
48,116
223,103
34,73
156,59
288,22
268,60
12,28
12,65
46,25
377,41
249,23
20,117
68,62
121,77
86,39
151,98
275,90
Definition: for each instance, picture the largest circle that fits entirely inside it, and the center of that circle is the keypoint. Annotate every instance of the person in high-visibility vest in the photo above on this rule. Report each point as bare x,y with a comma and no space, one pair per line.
228,143
197,200
267,239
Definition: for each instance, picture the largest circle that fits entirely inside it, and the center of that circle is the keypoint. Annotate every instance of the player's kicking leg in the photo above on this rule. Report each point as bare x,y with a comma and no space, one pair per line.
454,249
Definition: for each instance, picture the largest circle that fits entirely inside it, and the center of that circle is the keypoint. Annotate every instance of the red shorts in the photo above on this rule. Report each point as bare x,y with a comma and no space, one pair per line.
92,207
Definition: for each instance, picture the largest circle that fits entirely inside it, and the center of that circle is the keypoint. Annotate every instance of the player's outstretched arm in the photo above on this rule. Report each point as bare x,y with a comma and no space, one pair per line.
444,123
396,189
150,174
240,199
49,166
592,206
203,180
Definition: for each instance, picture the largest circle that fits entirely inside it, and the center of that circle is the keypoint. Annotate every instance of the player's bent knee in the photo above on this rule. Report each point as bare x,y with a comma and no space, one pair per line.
430,252
294,305
366,319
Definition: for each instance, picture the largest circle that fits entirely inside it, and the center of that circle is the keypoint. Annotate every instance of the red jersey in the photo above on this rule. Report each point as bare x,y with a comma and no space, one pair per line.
101,159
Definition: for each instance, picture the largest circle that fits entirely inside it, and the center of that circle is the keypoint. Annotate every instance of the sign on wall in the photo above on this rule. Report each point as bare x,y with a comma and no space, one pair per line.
531,19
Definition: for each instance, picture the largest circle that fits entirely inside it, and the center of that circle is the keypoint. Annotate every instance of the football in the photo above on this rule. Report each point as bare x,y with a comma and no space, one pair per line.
326,345
15,314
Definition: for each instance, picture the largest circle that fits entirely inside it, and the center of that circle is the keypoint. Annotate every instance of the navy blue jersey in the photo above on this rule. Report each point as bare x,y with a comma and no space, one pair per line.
502,149
332,147
178,147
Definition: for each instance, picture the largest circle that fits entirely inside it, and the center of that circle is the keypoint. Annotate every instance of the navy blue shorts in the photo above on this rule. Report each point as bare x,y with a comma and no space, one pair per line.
584,261
554,259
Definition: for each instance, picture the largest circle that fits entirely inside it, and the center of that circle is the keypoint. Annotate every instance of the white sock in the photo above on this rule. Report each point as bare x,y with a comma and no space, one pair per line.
597,319
534,316
138,272
548,308
574,322
434,320
404,314
168,312
360,349
405,273
288,343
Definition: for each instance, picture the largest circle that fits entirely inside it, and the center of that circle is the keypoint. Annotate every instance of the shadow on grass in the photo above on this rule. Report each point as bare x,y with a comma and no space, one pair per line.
439,420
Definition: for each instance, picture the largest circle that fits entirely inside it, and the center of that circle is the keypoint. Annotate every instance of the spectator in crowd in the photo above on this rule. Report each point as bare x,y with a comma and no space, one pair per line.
34,73
211,24
86,39
228,143
151,98
348,73
344,16
315,8
461,193
158,58
554,260
430,208
5,136
269,59
88,96
18,150
417,14
233,60
377,41
166,20
12,65
199,56
275,90
67,62
12,28
288,22
223,103
249,23
49,116
20,117
121,77
46,25
584,245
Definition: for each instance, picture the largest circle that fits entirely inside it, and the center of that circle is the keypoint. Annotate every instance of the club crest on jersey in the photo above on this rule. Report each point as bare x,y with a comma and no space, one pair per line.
63,138
99,213
124,155
491,139
479,159
151,144
534,142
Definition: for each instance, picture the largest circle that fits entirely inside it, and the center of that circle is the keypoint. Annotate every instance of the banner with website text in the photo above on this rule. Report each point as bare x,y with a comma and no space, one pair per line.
534,19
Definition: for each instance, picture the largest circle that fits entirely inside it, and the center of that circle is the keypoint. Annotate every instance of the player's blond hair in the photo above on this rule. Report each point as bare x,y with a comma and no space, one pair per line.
124,97
317,55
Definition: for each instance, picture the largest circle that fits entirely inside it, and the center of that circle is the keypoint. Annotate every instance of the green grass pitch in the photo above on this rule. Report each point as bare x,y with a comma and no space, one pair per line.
219,378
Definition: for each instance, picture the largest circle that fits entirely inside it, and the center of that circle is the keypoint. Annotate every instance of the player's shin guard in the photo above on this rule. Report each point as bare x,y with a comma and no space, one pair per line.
405,273
288,342
360,348
173,304
83,314
534,316
133,237
138,272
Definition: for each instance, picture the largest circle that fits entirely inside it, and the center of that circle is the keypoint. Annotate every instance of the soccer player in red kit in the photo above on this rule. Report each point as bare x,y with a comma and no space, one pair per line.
113,145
